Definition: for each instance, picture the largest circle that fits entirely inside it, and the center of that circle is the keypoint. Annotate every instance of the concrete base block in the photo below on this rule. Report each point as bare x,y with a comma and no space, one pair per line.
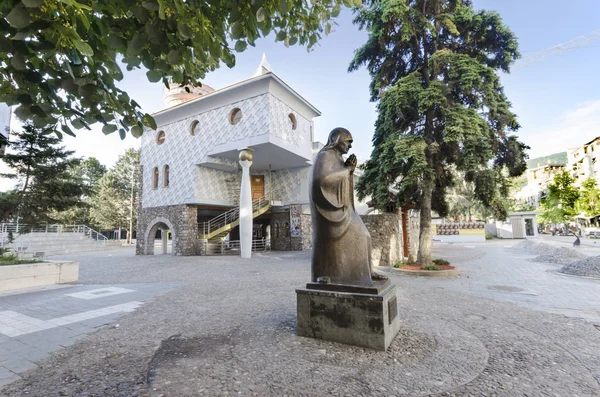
15,277
355,319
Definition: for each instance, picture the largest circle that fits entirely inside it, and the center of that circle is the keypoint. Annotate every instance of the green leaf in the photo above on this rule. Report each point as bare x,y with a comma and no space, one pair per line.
281,35
149,121
284,7
174,57
18,62
77,123
32,3
261,14
67,130
335,11
149,5
236,30
240,46
136,131
135,45
154,76
109,129
83,48
115,41
18,17
184,30
122,133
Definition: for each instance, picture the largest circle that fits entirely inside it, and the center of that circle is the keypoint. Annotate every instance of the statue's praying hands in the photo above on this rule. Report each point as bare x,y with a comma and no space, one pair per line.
351,163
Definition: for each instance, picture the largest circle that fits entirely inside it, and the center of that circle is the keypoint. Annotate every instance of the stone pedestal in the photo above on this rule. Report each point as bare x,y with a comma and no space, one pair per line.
360,319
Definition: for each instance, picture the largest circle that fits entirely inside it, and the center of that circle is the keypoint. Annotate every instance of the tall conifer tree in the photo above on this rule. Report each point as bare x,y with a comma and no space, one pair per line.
433,65
44,181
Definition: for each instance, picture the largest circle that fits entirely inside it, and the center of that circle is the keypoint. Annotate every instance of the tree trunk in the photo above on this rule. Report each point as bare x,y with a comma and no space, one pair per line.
425,229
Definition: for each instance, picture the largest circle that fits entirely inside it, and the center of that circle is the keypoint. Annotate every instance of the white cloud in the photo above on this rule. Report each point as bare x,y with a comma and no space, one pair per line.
573,128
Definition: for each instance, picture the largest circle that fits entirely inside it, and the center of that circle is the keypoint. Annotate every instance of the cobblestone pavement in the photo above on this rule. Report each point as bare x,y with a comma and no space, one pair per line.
210,326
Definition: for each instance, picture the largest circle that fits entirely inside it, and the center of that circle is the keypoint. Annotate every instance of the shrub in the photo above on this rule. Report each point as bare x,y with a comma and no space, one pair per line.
441,262
14,260
432,267
402,263
488,235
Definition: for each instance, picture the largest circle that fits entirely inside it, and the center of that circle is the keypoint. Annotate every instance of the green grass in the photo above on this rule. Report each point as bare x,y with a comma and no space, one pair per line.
432,267
6,260
441,262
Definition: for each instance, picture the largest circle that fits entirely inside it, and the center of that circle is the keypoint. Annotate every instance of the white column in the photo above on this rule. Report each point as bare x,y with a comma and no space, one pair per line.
165,238
246,205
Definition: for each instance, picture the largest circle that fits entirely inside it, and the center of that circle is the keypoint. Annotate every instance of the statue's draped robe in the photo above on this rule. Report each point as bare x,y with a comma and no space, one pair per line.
341,241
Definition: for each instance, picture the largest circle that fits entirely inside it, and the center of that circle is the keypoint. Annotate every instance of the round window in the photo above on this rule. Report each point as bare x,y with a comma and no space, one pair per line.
235,116
195,128
160,139
292,121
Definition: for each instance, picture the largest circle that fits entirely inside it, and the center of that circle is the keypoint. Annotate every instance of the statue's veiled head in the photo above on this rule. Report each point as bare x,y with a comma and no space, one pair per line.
339,139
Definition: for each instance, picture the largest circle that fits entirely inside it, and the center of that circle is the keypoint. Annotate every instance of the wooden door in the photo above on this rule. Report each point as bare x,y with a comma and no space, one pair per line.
258,186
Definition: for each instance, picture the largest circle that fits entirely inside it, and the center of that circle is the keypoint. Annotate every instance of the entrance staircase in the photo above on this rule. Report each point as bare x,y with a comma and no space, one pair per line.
47,240
215,230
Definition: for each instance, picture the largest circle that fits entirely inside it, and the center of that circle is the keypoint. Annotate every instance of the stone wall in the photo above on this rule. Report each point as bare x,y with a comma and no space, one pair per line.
180,219
280,231
386,238
281,239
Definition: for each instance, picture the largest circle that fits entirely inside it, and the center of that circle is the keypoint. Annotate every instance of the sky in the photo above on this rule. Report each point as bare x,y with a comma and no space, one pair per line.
557,100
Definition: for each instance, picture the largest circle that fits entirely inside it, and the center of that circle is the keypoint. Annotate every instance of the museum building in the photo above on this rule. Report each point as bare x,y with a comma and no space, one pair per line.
191,175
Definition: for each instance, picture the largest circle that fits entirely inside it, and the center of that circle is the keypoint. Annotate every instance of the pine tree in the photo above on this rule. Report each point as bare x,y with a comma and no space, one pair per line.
44,182
433,65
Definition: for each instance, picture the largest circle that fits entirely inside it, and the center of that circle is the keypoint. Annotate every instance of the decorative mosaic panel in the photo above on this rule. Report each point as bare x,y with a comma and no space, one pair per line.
291,186
217,185
300,137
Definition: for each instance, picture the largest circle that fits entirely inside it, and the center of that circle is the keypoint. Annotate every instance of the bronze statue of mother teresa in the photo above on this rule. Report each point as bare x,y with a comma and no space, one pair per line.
341,242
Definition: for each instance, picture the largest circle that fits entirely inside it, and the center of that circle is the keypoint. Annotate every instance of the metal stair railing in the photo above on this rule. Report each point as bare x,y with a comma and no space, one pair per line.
208,229
18,229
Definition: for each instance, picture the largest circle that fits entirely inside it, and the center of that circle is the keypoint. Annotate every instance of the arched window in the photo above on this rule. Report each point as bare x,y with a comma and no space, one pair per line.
166,176
292,121
235,116
160,138
195,128
286,230
276,229
155,184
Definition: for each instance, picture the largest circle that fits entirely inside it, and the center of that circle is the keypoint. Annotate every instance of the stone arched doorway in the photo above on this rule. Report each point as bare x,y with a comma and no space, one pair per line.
167,229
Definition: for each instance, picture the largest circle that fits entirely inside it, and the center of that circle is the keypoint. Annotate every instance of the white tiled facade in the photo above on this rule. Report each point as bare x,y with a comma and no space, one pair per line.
189,183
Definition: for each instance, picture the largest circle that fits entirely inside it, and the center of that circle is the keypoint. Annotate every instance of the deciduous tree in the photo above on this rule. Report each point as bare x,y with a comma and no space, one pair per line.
589,198
434,67
559,204
60,60
117,193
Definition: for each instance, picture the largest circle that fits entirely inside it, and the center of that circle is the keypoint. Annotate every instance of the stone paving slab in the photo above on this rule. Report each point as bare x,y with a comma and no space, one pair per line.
36,323
228,328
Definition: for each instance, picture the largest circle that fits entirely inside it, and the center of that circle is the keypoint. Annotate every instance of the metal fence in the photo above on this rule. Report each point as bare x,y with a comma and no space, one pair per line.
232,247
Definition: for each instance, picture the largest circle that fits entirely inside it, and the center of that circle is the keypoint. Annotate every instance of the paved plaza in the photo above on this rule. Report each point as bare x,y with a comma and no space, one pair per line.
224,326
